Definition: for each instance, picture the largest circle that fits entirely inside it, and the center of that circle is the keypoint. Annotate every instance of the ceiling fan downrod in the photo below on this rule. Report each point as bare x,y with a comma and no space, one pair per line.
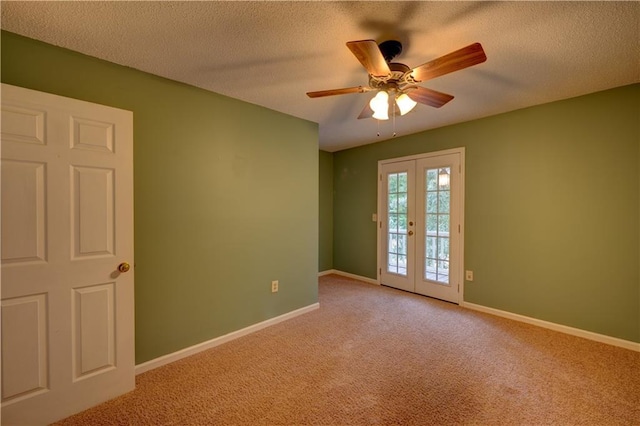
390,49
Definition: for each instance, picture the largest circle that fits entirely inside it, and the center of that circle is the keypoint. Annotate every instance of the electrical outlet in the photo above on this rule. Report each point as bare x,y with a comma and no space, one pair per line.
274,286
468,275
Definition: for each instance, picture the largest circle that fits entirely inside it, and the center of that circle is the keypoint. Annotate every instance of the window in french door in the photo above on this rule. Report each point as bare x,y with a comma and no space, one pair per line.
397,223
437,220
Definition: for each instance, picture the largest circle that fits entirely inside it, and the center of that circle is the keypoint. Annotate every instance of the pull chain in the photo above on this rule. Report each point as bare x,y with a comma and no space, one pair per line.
394,120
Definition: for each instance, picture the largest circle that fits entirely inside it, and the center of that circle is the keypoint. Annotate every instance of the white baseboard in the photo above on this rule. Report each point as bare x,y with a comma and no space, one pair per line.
349,275
627,344
183,353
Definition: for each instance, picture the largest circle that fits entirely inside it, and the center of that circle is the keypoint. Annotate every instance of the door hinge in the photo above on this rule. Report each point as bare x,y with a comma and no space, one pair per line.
380,224
379,271
458,228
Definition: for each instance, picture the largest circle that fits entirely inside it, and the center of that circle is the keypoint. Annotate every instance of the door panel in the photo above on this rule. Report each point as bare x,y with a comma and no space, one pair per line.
23,211
22,124
67,223
421,236
92,212
24,354
93,330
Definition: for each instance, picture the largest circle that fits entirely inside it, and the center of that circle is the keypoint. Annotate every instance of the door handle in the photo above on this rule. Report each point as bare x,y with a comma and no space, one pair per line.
124,267
410,233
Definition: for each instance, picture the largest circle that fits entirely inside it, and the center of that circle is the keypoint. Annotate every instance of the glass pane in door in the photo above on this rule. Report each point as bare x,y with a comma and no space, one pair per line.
397,215
437,220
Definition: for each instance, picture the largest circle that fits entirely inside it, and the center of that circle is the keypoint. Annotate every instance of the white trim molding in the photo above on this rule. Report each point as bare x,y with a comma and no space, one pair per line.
349,275
327,272
626,344
192,350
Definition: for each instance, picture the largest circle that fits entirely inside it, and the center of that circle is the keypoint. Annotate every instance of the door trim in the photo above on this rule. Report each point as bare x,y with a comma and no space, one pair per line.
380,208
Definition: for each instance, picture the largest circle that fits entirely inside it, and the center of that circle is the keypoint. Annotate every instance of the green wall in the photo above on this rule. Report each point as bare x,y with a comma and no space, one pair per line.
325,249
551,209
225,197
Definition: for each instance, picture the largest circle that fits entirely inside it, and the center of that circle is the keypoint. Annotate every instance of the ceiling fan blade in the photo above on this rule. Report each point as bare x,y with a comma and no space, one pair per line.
369,55
428,96
367,112
332,92
454,61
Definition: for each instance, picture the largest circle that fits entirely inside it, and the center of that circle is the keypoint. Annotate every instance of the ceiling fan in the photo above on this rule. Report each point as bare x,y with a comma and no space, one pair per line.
392,79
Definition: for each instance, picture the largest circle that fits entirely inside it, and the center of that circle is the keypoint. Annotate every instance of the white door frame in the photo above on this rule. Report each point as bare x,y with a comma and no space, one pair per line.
381,208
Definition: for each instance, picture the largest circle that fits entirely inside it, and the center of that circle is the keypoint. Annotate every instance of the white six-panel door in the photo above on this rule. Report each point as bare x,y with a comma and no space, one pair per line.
67,238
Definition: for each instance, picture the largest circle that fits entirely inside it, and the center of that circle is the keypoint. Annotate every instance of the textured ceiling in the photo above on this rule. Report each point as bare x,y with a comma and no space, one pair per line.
272,53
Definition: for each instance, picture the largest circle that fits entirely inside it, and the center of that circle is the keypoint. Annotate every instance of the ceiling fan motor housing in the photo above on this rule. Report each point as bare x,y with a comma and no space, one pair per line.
400,75
396,81
390,49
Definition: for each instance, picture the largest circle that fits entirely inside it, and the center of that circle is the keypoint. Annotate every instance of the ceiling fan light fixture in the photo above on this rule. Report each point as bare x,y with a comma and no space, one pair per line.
380,115
405,103
380,105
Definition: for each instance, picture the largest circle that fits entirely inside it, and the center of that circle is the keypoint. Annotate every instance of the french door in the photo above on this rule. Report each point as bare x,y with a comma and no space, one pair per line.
420,205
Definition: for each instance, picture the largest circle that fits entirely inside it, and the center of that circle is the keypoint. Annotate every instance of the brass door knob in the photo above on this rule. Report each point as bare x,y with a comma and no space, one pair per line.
410,233
124,267
410,223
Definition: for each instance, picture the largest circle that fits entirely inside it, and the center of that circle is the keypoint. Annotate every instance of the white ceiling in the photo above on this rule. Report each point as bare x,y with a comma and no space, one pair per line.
272,53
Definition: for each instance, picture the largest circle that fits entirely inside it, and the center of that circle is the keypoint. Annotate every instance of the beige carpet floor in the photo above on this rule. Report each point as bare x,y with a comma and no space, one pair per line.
377,356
